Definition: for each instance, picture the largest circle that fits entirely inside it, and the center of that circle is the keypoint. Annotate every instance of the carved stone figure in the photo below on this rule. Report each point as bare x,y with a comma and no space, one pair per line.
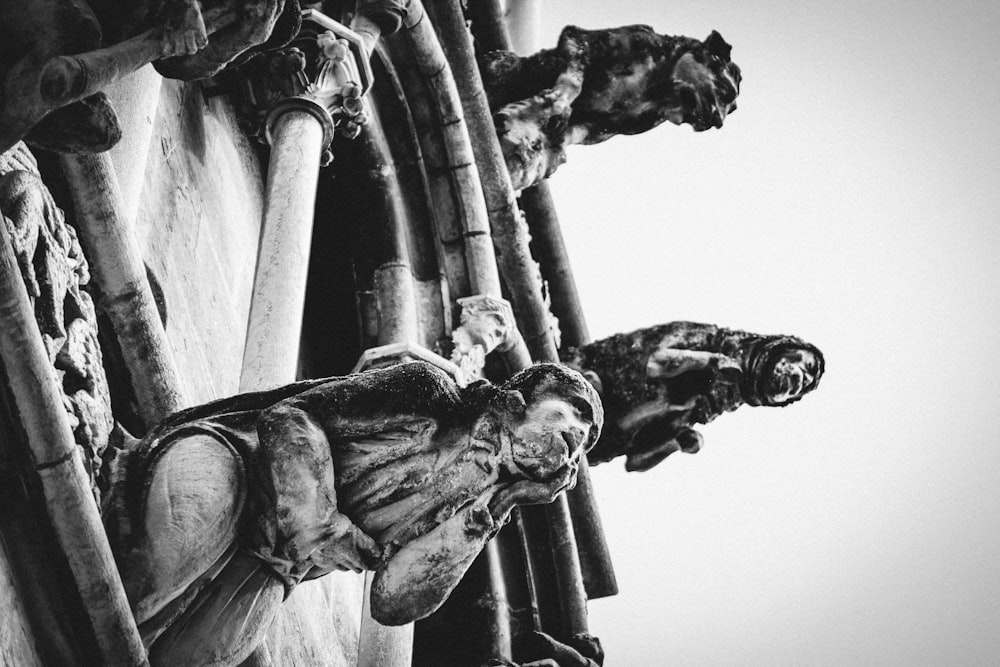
56,56
658,382
55,273
599,83
224,508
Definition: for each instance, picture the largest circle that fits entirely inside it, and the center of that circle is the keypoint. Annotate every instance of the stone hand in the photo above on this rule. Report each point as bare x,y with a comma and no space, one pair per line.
529,492
184,33
346,547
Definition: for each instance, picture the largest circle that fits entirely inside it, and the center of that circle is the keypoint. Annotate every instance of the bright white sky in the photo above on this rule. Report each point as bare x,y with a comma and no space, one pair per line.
852,200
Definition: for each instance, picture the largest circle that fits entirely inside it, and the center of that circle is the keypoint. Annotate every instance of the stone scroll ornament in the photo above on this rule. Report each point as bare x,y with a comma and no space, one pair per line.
659,382
56,56
223,509
596,84
55,274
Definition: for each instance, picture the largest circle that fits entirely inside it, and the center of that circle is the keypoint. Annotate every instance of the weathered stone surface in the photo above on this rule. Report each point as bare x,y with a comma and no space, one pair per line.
17,641
599,83
230,505
58,56
658,382
199,224
55,273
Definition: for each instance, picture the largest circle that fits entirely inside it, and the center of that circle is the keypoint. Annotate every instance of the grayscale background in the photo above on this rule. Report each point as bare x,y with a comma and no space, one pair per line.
852,200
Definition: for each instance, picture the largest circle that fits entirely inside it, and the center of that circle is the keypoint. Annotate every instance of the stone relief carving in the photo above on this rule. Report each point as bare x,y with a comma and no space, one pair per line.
658,382
599,83
55,273
58,56
222,509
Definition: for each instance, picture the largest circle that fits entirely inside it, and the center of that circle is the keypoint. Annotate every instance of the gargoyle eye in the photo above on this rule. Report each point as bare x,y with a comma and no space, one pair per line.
583,407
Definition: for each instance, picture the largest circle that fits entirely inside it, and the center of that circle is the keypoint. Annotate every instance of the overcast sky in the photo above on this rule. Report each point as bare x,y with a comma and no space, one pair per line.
851,200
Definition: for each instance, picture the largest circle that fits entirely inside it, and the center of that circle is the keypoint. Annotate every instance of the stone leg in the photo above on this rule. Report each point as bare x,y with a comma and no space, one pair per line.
198,598
193,499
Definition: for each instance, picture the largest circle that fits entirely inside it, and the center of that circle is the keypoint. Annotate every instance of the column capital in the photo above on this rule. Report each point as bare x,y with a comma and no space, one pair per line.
324,72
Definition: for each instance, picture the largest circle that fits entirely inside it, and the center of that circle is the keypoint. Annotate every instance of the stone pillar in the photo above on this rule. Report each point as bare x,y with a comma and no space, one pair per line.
110,244
299,127
271,355
53,453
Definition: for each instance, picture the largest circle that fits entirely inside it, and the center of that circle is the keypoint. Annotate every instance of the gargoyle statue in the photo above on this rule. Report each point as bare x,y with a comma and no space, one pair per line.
57,55
599,83
222,509
656,383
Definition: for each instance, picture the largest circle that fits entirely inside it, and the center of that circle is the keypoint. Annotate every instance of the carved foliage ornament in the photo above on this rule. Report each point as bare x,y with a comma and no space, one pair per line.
324,72
58,55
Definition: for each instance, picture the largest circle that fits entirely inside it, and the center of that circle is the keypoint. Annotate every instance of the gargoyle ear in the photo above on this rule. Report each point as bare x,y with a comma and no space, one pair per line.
715,45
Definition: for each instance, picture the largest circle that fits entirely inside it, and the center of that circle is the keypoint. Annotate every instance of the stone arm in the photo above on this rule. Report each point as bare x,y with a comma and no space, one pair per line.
300,527
670,362
300,530
415,580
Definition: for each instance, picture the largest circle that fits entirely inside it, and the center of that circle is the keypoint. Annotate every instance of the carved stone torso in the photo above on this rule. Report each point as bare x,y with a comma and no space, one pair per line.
400,483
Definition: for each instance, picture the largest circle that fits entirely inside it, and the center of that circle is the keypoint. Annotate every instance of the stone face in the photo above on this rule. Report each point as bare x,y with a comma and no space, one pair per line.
230,505
600,83
55,273
658,382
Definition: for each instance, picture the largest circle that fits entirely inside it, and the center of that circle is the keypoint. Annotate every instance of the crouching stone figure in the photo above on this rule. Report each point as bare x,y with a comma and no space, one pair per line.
222,509
659,382
597,84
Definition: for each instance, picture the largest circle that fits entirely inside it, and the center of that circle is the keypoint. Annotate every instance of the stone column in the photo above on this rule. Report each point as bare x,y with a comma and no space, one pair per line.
69,503
271,355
